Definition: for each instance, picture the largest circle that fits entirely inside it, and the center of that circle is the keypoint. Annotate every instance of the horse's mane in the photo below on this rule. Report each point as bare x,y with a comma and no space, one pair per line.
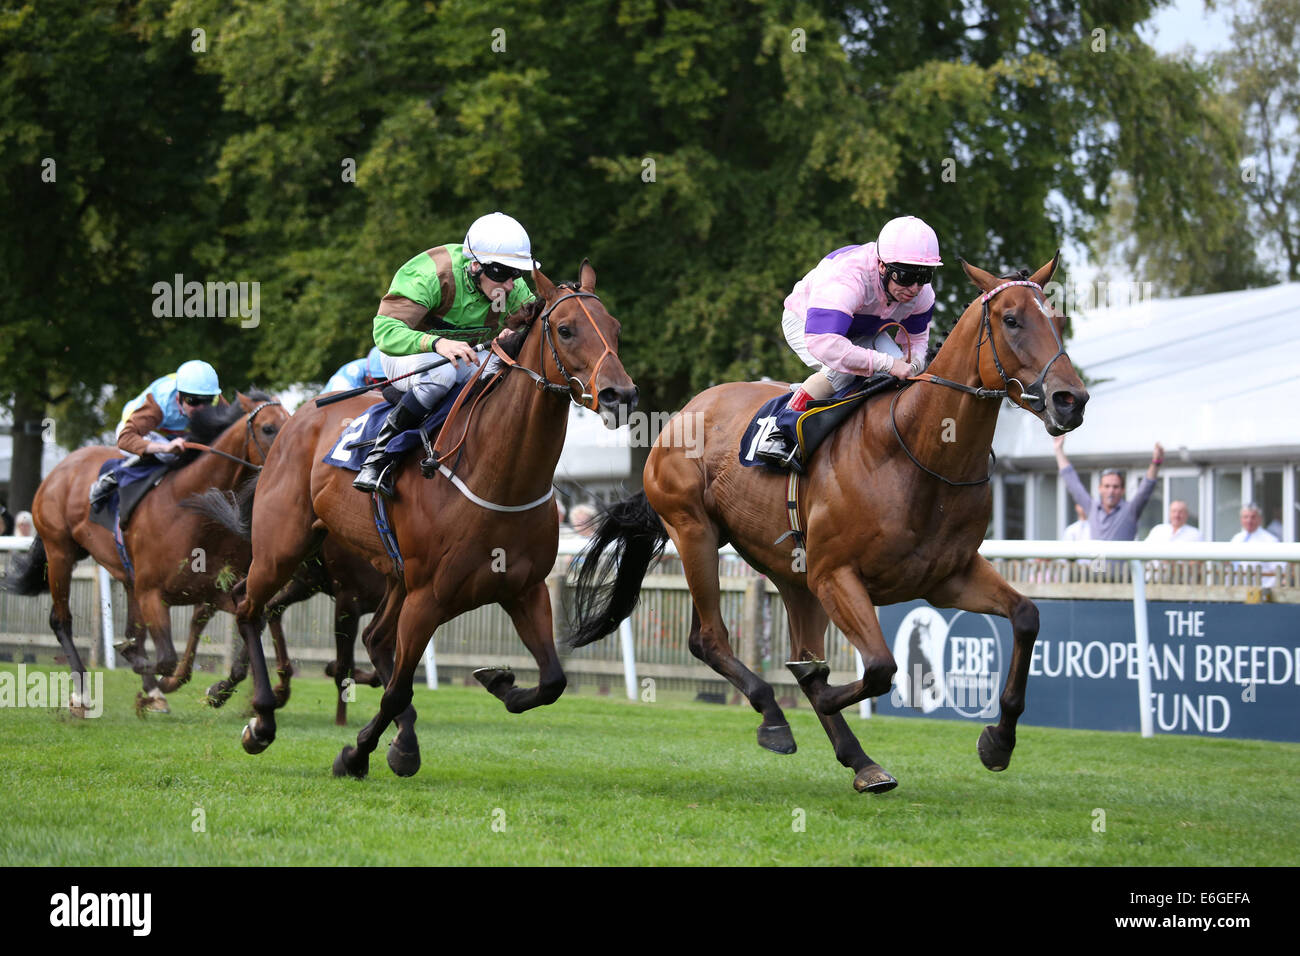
208,423
513,342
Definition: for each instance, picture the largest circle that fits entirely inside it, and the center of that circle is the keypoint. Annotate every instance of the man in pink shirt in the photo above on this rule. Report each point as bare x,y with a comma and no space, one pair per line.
836,317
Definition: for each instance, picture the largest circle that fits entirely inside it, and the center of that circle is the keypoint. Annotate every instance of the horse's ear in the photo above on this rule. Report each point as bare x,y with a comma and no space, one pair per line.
245,402
1044,275
985,280
586,276
545,287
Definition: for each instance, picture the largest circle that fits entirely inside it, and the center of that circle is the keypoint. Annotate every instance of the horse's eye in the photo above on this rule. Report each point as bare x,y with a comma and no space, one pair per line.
1010,322
268,429
565,332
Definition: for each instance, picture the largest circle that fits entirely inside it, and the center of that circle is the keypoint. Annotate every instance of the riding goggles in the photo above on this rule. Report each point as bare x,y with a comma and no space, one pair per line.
500,273
195,401
909,275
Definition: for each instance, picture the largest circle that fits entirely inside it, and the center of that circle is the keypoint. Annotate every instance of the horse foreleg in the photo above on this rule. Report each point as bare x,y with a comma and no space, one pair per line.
346,614
981,590
283,666
807,621
418,616
846,601
531,614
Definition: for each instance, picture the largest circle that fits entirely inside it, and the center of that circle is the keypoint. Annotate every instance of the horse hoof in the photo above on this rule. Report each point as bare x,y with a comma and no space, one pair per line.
253,744
281,697
216,695
874,778
341,764
776,738
402,763
496,679
992,754
77,710
155,705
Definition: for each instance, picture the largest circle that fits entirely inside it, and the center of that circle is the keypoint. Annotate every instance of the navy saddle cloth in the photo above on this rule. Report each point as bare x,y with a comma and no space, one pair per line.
133,482
353,445
812,426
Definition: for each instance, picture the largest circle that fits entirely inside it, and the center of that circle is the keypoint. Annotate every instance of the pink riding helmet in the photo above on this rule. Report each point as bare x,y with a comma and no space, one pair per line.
908,240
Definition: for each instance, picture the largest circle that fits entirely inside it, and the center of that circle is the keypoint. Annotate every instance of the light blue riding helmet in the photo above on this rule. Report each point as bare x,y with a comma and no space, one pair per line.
375,365
197,378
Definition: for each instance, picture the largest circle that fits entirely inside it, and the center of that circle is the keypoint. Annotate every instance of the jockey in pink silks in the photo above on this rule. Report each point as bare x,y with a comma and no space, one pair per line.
835,316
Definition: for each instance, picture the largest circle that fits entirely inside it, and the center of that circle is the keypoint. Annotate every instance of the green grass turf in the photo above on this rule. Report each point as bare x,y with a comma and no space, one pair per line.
592,780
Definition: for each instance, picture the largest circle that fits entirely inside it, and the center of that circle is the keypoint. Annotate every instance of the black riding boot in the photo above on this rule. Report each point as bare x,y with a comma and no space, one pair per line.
105,484
407,414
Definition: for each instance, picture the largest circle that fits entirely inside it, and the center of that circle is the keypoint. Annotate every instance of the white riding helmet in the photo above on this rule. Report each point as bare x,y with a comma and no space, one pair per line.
197,378
498,238
908,240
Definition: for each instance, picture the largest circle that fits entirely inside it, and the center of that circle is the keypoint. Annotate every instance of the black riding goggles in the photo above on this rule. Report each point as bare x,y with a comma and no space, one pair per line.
908,275
500,273
195,401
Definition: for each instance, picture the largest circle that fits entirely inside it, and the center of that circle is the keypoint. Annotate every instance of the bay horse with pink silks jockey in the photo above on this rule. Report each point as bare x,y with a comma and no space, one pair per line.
891,510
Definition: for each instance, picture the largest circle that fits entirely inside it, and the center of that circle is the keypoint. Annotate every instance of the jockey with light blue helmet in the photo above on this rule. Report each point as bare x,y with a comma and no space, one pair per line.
155,421
358,372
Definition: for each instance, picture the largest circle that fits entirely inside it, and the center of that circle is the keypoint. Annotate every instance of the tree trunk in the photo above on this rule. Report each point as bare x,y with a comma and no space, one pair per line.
29,438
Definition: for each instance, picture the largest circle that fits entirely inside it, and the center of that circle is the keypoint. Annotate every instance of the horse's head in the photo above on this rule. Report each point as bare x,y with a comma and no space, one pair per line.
1026,352
244,428
580,346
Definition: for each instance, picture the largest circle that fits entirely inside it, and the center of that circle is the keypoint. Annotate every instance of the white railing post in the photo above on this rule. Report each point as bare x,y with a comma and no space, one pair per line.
106,615
430,666
1143,643
629,657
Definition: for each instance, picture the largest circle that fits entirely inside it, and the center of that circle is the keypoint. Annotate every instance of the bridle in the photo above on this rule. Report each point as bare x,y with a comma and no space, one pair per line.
584,394
1034,397
249,439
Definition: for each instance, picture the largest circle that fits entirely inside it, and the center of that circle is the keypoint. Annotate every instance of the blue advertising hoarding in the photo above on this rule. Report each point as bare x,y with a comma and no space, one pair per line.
1228,670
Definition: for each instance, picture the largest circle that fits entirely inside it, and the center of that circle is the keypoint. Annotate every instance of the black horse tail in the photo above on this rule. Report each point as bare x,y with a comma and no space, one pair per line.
232,510
28,574
638,538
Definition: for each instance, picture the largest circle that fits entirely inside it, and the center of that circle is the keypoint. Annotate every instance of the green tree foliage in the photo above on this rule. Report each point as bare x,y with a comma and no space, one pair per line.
1262,73
704,155
103,139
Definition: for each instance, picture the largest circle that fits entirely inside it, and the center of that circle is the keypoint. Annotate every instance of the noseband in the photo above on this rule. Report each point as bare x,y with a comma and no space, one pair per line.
584,394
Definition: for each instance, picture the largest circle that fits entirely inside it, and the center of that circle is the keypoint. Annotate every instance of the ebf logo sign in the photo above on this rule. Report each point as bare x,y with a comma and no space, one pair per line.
954,664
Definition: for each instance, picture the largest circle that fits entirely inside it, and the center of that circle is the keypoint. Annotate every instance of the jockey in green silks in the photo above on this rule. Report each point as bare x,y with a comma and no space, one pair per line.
443,303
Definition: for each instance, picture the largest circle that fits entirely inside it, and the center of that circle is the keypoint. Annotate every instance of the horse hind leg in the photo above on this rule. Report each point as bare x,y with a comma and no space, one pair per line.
697,544
59,573
808,634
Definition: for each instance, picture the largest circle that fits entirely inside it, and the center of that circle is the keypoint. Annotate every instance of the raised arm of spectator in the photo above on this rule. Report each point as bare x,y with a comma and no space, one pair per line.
1071,477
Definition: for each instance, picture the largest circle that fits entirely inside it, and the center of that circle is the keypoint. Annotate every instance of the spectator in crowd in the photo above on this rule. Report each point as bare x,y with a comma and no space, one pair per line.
1275,526
1252,533
1177,528
581,517
23,526
1110,516
1079,530
6,520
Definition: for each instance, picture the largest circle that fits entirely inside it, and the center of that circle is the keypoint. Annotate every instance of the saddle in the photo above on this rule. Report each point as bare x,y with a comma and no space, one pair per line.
133,483
350,450
809,428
